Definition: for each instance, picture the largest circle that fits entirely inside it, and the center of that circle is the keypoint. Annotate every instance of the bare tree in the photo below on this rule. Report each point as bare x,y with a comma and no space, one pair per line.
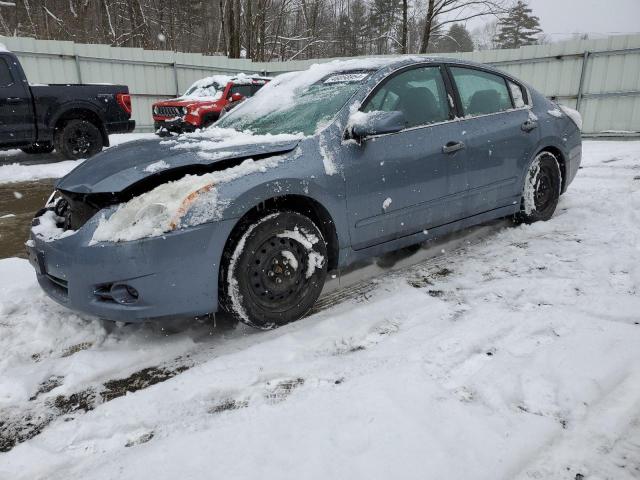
444,12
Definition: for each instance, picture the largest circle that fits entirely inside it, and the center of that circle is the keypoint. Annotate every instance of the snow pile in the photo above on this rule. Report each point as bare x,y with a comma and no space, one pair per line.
191,200
157,166
387,203
48,228
3,47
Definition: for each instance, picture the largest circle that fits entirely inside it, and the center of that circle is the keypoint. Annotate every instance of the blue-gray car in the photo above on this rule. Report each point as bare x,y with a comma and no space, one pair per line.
322,168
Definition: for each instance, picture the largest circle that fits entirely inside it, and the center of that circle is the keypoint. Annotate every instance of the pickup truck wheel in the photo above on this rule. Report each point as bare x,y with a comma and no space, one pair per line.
37,148
275,271
78,139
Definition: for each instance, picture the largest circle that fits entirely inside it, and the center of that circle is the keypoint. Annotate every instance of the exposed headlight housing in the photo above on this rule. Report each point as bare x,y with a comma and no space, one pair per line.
143,216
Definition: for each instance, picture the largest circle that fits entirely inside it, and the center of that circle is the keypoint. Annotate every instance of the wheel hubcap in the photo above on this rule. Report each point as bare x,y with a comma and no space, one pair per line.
276,273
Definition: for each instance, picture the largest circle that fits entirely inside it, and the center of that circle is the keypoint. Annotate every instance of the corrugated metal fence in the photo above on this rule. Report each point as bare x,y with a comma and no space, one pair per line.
599,77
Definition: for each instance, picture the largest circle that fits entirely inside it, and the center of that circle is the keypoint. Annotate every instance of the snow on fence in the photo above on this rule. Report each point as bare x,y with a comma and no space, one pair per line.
599,77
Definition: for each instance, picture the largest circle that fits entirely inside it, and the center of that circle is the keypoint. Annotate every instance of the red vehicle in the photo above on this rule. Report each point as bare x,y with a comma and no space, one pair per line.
203,102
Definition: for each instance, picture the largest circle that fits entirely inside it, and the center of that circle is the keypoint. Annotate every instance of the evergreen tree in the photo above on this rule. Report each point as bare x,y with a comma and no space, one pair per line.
457,39
518,28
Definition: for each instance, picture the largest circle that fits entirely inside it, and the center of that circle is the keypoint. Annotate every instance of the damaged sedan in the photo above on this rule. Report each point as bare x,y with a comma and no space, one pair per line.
322,168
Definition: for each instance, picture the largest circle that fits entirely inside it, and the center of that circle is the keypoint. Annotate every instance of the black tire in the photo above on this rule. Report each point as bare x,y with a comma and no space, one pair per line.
266,288
38,148
78,139
541,190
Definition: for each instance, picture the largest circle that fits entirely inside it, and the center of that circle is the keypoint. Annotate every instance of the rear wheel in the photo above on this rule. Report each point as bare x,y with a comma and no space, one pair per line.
38,148
541,190
275,271
78,139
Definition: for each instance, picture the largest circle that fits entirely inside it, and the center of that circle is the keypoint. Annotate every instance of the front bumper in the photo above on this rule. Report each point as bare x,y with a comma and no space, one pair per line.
125,126
176,125
175,274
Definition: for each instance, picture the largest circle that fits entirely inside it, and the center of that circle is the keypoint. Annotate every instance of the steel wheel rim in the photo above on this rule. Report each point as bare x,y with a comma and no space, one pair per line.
273,282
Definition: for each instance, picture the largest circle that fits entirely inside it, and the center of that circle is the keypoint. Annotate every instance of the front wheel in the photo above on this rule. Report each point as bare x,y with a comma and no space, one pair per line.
541,190
78,139
275,271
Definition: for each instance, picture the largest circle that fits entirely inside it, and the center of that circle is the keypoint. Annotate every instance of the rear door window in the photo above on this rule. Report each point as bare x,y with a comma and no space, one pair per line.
419,93
481,93
6,79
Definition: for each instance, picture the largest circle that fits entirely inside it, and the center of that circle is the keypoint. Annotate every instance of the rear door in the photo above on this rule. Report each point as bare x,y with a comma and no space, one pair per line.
500,135
16,111
401,183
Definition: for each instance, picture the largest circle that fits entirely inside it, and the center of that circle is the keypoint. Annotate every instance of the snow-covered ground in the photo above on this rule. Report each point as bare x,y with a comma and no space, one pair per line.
16,166
509,353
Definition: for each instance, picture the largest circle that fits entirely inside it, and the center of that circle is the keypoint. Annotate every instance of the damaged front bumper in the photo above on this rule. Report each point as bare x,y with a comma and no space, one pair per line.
172,275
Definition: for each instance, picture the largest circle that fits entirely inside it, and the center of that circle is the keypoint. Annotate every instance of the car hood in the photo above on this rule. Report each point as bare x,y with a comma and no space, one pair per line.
121,167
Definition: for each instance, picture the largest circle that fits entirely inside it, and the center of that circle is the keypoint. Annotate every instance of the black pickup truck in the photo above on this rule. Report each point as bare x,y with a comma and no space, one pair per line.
75,120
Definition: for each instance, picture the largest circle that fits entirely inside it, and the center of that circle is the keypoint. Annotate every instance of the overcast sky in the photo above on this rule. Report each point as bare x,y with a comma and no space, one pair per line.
601,16
593,16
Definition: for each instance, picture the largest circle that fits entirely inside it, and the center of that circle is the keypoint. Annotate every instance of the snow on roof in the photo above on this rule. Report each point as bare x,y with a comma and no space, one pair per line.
212,87
244,79
208,87
3,48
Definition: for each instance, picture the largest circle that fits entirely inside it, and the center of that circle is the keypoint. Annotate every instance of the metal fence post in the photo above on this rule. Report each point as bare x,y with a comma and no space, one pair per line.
585,60
175,78
78,71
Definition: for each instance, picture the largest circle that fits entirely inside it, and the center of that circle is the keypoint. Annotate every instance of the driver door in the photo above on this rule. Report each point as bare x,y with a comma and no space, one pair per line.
401,183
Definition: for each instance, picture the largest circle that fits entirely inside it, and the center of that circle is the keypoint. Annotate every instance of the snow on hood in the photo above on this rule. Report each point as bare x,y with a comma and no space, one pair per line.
210,143
175,204
118,168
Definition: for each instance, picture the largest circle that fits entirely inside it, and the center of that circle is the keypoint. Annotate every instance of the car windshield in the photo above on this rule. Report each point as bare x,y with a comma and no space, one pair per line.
202,89
307,109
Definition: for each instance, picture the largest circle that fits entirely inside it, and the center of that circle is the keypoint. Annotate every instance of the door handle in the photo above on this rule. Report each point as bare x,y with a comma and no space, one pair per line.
529,125
13,100
452,147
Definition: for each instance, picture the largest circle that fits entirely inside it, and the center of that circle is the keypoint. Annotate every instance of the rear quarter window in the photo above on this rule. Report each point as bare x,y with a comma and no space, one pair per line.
517,94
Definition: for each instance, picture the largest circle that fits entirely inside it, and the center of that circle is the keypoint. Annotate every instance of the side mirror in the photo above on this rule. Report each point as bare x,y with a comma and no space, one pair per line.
236,97
377,123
